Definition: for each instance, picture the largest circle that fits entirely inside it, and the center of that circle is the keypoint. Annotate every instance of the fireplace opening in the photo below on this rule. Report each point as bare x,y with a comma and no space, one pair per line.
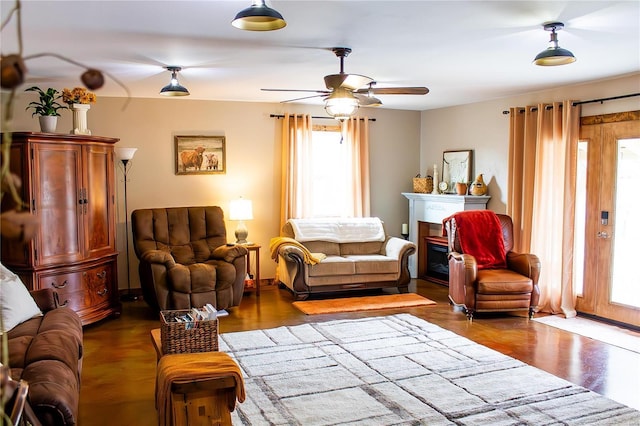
437,261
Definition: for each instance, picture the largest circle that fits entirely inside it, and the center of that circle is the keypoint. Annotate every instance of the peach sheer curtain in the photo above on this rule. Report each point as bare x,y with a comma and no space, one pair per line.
355,133
541,198
297,133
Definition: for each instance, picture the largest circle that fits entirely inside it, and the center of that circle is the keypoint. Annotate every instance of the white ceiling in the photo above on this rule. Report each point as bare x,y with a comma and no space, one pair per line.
463,51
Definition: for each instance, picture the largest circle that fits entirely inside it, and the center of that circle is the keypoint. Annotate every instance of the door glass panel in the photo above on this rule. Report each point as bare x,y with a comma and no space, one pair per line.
580,217
624,288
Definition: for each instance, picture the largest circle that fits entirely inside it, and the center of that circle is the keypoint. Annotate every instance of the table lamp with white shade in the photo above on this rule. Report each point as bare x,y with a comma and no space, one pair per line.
124,156
241,210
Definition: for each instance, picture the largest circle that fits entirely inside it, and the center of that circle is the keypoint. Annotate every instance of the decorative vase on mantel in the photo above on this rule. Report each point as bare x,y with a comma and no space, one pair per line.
461,188
478,187
80,119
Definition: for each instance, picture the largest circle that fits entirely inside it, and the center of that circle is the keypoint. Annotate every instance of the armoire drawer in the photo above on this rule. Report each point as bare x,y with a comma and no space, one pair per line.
82,288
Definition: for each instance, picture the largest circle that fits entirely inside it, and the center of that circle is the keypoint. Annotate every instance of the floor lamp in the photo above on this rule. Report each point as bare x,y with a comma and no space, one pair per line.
124,157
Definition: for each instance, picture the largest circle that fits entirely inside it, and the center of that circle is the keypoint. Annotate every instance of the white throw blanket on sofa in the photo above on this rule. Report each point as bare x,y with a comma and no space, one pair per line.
338,230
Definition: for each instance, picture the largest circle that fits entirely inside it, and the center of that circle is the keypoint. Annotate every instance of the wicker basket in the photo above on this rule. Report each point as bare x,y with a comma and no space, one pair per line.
177,338
423,185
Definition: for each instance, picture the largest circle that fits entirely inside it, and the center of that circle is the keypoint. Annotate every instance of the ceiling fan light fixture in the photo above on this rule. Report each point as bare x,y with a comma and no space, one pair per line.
341,104
259,17
554,54
174,88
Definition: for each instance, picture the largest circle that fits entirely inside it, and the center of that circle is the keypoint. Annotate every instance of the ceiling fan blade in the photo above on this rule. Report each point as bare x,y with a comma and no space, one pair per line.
367,101
396,90
296,90
346,81
305,97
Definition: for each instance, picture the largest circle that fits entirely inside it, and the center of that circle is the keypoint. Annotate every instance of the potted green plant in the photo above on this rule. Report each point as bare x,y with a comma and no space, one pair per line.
46,108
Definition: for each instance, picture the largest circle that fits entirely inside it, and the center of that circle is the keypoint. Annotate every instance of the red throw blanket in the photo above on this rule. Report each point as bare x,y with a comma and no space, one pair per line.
480,235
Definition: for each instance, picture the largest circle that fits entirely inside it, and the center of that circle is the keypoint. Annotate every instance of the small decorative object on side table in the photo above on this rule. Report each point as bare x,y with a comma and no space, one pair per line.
256,279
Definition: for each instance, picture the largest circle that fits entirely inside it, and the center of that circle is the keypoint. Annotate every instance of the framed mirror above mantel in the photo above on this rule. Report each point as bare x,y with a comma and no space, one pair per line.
432,209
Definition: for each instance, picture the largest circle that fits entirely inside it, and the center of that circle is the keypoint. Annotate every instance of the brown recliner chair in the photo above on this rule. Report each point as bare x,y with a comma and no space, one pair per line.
493,284
185,260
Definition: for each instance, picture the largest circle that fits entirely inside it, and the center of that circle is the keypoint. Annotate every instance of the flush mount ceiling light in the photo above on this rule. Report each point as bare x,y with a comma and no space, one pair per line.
174,88
554,54
259,17
341,104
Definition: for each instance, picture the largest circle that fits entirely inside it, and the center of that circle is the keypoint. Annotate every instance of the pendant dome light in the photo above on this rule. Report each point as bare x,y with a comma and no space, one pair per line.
554,54
259,17
341,104
174,88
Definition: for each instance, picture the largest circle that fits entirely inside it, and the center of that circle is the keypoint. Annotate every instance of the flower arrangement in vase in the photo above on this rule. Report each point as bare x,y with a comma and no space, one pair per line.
78,95
79,99
46,107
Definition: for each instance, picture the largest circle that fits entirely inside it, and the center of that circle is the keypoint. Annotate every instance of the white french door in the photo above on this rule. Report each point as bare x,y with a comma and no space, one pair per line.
607,218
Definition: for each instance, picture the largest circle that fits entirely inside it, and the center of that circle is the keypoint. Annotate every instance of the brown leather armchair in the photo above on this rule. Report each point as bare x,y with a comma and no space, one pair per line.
184,259
511,288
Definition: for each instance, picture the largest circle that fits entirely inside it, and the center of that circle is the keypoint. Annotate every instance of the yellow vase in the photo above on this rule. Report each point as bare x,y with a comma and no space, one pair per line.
478,187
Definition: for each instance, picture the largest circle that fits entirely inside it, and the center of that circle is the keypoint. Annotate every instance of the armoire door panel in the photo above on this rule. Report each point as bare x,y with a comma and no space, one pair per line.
100,211
57,195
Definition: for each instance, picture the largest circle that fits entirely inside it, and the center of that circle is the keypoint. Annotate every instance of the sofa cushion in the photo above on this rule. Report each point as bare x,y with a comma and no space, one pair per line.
325,247
502,281
333,265
374,264
190,234
16,304
196,278
370,247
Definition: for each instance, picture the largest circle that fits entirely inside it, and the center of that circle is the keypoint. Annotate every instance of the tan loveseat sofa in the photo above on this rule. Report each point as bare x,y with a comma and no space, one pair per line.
327,255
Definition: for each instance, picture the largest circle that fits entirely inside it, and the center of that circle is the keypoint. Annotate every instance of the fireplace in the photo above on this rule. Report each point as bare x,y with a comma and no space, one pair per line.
433,262
426,212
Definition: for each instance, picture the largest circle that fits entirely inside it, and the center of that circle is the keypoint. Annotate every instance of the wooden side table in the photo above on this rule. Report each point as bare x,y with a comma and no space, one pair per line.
255,248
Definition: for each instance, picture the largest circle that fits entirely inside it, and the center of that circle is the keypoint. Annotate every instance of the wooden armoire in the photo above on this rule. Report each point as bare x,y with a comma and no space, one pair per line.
68,182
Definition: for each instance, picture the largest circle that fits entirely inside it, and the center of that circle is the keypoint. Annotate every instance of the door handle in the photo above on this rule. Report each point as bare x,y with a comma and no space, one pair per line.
603,234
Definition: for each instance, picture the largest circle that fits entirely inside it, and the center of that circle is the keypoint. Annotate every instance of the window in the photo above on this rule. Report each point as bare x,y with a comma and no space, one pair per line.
330,175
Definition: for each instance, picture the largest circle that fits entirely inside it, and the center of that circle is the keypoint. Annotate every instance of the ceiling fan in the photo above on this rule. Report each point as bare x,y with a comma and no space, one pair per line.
346,92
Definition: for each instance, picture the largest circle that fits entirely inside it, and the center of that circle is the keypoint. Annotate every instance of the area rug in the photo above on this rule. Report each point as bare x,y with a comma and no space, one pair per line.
364,303
399,370
596,330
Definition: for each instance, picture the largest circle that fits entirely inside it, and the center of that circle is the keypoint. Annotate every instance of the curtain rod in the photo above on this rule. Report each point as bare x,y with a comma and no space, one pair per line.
601,100
321,118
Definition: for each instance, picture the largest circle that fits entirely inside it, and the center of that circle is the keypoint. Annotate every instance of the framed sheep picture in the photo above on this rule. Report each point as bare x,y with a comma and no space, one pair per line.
200,155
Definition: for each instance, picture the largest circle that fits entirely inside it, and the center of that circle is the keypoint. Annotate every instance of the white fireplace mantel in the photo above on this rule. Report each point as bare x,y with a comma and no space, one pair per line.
433,208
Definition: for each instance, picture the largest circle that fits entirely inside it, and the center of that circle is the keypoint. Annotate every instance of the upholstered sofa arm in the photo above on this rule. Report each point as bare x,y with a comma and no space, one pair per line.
525,264
159,257
397,247
464,263
229,253
463,270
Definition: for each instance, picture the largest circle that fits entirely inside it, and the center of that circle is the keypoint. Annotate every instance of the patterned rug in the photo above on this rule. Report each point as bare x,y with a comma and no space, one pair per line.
363,303
399,370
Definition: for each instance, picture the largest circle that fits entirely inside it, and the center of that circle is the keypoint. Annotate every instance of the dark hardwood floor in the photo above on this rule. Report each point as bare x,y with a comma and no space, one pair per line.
118,376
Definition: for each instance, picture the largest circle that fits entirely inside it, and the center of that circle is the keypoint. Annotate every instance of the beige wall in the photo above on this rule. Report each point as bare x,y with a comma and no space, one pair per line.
403,143
253,159
483,128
